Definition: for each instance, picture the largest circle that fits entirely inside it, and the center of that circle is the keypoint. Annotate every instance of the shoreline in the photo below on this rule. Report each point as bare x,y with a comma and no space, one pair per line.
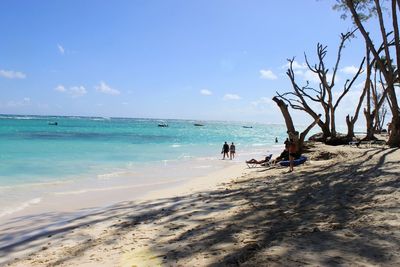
109,188
341,208
57,212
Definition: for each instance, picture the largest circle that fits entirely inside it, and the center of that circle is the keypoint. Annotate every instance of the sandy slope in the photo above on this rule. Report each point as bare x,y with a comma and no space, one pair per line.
342,208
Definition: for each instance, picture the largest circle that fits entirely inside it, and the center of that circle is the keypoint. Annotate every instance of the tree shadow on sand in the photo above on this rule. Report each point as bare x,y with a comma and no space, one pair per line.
308,217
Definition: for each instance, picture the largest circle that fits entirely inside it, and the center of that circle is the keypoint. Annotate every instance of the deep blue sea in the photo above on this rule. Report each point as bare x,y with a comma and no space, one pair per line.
38,158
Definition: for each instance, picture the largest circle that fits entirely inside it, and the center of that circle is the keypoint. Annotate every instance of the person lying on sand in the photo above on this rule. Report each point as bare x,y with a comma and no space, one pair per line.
263,161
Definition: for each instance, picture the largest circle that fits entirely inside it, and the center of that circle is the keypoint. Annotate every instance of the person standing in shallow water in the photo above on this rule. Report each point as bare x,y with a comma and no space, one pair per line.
225,150
232,151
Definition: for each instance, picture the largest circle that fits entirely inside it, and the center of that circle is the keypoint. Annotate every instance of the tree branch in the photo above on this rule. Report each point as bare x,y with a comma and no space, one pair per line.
396,34
347,85
344,38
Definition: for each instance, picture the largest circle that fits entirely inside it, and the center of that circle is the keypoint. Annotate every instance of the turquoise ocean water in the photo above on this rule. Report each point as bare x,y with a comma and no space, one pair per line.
93,154
33,150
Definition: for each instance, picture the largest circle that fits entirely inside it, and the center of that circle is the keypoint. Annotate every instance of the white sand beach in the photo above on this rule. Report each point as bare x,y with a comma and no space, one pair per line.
339,209
152,133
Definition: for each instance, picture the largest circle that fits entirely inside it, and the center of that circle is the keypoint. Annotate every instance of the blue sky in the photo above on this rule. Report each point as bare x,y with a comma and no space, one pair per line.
211,59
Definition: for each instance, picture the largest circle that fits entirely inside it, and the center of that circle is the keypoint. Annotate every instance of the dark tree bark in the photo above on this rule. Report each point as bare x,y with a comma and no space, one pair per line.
286,115
391,76
290,126
350,121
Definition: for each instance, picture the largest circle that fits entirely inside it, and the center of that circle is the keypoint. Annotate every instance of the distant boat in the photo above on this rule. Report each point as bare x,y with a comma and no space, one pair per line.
249,127
162,124
198,124
53,123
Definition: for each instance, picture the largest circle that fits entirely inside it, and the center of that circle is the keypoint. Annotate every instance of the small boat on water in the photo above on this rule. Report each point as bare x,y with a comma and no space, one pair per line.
248,127
163,124
53,123
198,124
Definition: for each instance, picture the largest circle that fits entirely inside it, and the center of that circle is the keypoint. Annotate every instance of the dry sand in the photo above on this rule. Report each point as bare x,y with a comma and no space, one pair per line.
340,209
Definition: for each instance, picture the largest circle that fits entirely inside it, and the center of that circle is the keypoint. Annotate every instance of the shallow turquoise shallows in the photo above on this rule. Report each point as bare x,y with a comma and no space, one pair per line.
34,149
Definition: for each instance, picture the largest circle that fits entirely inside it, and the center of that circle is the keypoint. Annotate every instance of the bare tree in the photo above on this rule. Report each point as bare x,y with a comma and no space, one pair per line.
302,96
350,121
361,10
375,110
379,124
379,96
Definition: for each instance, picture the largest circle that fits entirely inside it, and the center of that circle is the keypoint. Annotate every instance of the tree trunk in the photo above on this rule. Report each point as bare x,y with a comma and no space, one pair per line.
305,132
394,138
351,121
333,126
350,127
285,112
369,118
326,131
289,124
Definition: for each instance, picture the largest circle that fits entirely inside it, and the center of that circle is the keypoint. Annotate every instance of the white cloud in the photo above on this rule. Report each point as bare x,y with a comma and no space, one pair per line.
77,91
303,71
349,70
61,49
205,92
74,91
10,74
106,89
231,97
60,88
268,75
311,76
296,66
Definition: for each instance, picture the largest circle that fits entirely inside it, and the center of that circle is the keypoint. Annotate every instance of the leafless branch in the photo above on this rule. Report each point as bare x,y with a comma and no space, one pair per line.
344,38
348,84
